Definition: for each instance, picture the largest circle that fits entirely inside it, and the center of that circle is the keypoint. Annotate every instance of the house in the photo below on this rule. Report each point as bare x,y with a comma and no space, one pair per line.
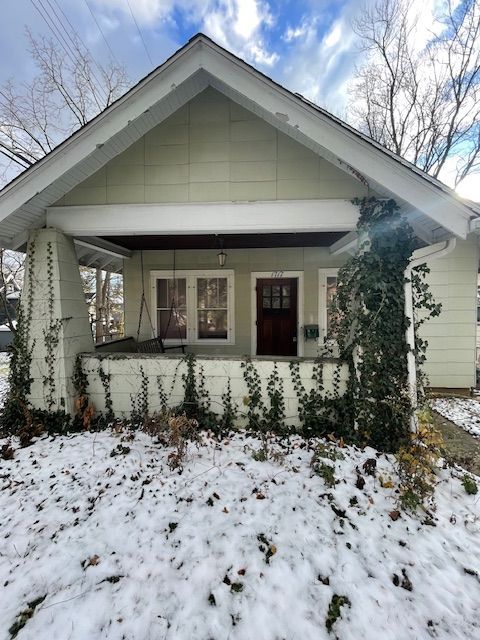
226,201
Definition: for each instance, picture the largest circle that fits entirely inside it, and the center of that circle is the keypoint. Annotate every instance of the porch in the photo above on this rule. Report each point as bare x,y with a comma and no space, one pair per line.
261,301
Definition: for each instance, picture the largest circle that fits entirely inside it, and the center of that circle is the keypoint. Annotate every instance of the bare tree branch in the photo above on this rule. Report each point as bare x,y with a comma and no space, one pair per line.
68,91
421,101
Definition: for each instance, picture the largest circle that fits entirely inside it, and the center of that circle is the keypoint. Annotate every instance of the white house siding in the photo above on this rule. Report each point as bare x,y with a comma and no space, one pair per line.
452,336
214,150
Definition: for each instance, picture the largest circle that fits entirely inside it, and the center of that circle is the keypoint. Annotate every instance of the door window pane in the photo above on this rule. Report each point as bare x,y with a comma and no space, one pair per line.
276,296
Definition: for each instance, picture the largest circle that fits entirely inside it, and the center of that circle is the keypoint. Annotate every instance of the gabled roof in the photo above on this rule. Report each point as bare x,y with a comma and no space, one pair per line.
199,64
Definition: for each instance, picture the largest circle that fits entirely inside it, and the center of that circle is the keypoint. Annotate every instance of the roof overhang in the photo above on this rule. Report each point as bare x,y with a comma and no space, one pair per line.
434,209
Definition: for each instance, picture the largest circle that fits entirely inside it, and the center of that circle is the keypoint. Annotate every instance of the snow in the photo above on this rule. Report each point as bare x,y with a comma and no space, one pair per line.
462,411
125,548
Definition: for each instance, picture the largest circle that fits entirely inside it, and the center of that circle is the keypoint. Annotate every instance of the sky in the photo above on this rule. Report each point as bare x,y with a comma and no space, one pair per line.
307,45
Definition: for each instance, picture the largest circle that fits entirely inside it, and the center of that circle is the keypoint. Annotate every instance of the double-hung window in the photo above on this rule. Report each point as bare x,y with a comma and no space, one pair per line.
194,306
327,290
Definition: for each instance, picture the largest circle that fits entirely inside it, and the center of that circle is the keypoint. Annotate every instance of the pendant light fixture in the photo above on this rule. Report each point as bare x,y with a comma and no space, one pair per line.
221,255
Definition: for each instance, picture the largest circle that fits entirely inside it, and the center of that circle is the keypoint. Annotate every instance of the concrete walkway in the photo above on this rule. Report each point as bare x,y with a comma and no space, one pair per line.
460,446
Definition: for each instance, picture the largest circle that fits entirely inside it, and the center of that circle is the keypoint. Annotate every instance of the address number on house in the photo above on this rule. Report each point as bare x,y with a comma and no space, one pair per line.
277,274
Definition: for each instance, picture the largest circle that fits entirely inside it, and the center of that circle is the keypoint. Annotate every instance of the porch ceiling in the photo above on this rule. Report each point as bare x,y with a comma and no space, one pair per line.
230,241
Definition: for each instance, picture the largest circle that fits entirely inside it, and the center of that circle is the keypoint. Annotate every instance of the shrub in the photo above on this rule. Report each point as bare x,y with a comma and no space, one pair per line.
469,485
174,431
417,462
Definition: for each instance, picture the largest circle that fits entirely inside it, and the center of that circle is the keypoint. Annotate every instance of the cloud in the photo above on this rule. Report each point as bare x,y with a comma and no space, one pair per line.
320,61
147,12
294,33
238,25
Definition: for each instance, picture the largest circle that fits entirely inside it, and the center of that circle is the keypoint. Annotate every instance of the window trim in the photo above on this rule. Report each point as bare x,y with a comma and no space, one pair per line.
323,274
191,276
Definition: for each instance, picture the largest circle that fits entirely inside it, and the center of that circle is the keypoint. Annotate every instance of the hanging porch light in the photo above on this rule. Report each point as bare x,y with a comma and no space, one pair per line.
221,255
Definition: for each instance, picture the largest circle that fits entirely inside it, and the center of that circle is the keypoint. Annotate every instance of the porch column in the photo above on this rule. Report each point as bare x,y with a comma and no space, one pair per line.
53,304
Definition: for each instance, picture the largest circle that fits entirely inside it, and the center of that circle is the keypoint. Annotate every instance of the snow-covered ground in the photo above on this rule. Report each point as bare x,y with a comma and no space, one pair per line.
121,547
462,411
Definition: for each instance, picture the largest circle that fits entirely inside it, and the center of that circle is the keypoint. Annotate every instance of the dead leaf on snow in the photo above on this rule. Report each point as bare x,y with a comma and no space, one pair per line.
91,562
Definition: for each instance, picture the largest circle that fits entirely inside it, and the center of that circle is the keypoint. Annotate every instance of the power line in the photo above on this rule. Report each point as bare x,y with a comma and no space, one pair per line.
58,32
75,42
139,33
78,36
54,29
101,31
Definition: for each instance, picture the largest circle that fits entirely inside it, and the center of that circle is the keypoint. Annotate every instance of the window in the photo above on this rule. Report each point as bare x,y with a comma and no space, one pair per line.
276,296
328,289
172,308
194,306
212,308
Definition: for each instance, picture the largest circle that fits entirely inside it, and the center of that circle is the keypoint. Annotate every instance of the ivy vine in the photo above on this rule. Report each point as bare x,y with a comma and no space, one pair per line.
370,325
16,411
105,379
51,335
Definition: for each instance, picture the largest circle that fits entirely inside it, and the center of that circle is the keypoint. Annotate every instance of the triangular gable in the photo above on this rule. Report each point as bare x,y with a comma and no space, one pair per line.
213,150
199,64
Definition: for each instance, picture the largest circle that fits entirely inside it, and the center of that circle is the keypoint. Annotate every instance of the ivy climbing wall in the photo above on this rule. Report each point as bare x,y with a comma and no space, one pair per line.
161,376
57,315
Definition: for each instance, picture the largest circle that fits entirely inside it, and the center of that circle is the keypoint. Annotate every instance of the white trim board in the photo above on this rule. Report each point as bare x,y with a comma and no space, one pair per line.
273,216
300,303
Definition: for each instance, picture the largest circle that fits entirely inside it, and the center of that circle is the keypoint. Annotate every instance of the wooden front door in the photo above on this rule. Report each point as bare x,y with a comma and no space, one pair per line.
277,316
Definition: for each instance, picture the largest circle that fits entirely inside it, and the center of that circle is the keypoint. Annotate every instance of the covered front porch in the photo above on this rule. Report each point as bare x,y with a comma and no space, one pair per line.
224,279
268,302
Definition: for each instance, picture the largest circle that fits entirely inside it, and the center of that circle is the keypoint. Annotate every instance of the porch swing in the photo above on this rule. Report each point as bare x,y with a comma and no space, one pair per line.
157,343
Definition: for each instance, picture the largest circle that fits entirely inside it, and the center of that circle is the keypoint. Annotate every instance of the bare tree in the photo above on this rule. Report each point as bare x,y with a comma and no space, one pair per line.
69,89
419,95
